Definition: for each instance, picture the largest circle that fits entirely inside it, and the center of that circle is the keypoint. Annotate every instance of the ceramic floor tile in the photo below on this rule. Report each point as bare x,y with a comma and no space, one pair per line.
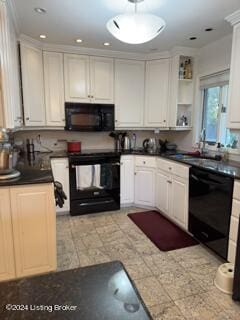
161,263
192,256
205,307
137,269
204,274
121,251
179,284
151,291
224,301
92,256
145,248
92,241
166,311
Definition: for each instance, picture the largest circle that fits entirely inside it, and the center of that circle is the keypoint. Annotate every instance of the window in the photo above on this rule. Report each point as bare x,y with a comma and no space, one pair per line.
214,114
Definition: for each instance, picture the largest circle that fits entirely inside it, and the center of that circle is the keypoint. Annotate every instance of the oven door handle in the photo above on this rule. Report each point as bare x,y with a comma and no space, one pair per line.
85,204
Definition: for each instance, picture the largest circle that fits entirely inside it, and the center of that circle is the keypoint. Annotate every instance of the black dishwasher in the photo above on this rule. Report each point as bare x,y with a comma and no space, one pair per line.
210,205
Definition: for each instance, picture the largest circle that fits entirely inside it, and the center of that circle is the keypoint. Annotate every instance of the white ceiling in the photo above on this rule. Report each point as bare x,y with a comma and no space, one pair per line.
67,20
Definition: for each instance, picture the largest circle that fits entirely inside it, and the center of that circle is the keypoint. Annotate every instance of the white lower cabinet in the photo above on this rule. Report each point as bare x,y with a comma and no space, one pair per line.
145,186
233,234
27,231
179,201
172,191
61,173
127,180
163,192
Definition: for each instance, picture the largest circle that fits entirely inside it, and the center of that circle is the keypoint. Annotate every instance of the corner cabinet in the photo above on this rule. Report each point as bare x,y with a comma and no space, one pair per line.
54,88
33,85
129,93
28,223
157,93
88,79
234,84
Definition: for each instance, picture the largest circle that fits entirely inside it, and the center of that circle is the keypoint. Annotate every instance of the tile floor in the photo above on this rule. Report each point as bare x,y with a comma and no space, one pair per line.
174,285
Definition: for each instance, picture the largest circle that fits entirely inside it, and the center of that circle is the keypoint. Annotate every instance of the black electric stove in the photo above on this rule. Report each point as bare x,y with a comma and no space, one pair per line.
94,181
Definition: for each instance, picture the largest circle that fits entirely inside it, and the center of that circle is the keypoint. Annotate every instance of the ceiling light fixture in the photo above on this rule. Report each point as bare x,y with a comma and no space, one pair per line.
107,44
135,28
43,36
79,40
40,10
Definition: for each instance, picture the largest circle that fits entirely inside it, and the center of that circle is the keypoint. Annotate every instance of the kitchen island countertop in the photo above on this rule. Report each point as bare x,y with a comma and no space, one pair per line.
99,292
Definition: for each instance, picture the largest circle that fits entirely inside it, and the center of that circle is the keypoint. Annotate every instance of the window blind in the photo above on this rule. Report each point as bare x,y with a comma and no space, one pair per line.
214,80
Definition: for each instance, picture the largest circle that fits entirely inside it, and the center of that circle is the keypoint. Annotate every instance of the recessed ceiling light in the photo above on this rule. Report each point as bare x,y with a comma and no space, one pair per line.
43,36
208,29
79,40
40,10
107,44
193,38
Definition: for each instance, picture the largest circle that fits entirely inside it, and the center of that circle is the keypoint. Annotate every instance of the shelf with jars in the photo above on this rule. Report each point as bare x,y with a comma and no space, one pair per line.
182,92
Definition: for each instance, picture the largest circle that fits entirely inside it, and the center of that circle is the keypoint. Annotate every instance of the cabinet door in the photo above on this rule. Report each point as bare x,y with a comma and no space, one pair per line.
33,88
60,169
157,92
7,269
145,186
129,93
163,189
77,78
34,229
127,179
101,79
234,84
179,201
54,88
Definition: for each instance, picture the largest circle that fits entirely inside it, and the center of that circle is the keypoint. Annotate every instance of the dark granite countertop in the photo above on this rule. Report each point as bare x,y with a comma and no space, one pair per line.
229,168
33,171
99,292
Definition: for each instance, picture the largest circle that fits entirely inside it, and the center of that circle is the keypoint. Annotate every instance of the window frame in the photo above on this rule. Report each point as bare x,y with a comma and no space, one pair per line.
221,104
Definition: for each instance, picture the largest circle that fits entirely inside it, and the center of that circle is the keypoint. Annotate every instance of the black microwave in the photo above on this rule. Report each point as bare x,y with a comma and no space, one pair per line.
89,117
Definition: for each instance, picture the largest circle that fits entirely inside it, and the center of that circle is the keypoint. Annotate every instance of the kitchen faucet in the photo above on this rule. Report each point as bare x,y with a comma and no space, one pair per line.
203,142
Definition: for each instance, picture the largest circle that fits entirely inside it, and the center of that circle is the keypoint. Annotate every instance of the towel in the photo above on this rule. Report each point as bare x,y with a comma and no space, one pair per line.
97,176
84,177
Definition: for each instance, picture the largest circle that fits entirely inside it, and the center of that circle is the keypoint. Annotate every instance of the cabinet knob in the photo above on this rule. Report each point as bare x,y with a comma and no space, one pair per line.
169,181
63,119
89,96
92,97
144,162
164,120
27,118
116,121
170,168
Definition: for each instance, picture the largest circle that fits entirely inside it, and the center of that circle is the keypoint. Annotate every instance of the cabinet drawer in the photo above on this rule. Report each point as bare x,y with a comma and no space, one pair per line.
173,167
236,208
236,191
145,162
232,251
234,229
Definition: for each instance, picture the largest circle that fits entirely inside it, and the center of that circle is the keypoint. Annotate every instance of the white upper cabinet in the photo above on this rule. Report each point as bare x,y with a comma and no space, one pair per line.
129,93
157,93
101,78
54,88
88,79
234,85
77,80
33,87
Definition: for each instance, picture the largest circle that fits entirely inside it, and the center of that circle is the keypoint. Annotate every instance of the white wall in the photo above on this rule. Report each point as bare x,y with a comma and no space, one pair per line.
215,56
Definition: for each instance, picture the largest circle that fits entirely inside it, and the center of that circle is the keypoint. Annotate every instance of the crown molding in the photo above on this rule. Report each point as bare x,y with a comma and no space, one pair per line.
13,12
233,18
107,53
